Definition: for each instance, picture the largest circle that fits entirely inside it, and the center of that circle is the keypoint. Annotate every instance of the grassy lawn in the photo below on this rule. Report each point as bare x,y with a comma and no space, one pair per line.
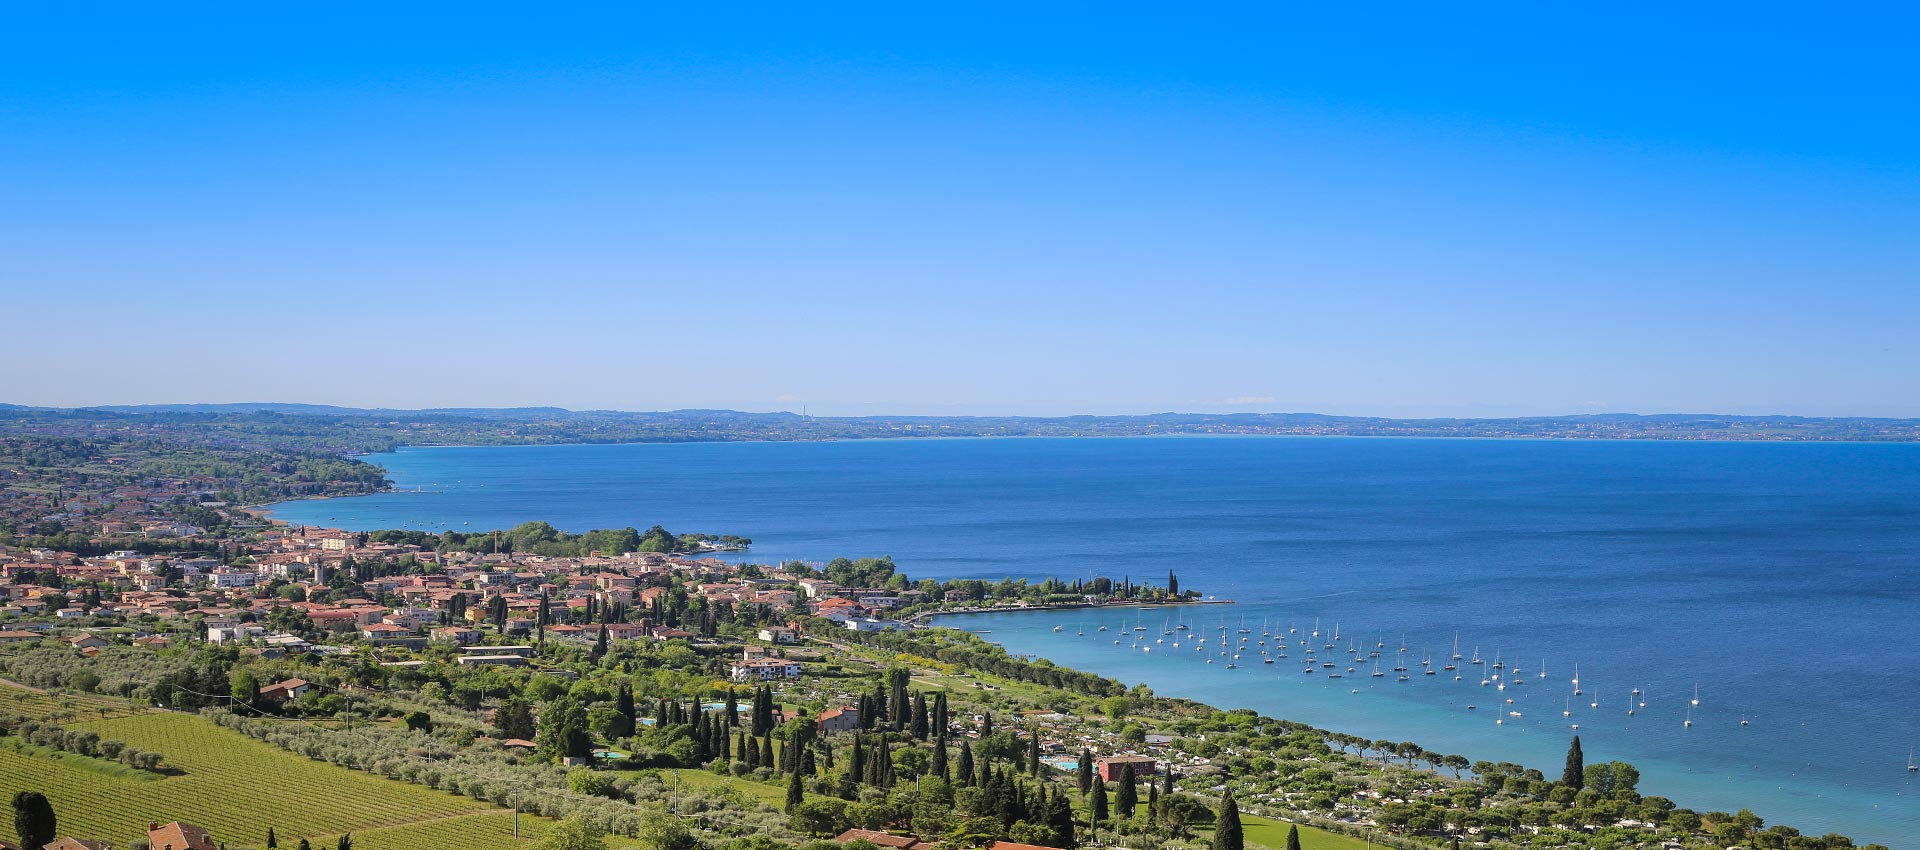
758,792
1268,832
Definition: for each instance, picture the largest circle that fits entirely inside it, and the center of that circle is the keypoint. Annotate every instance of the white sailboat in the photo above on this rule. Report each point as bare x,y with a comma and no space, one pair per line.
1576,680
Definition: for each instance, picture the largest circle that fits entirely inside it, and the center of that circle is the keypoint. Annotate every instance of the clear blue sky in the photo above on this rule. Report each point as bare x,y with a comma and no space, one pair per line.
1430,209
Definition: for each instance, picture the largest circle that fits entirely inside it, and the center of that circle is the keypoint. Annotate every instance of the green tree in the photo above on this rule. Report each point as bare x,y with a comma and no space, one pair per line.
1182,813
1128,795
514,719
660,831
33,819
272,842
574,832
1575,776
795,793
1227,834
1293,837
245,689
1097,807
418,721
563,731
345,842
304,845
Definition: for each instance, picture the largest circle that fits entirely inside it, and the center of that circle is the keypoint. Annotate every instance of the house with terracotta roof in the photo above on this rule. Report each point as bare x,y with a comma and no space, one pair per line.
283,691
179,836
1109,768
843,718
625,631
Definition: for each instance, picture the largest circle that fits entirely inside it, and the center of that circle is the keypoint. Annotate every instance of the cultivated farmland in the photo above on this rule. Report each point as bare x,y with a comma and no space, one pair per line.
236,787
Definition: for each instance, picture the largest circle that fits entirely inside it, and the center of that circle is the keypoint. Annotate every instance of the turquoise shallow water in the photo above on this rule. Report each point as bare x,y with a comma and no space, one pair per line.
1777,578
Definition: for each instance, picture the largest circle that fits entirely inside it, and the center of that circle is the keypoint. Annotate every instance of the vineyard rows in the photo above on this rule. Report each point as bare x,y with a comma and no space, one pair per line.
231,784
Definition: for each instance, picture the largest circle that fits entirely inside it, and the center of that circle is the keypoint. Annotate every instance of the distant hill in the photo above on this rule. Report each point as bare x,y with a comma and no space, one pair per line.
334,429
295,409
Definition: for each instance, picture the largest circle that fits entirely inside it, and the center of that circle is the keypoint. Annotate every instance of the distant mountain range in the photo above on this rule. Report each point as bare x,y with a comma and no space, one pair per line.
331,428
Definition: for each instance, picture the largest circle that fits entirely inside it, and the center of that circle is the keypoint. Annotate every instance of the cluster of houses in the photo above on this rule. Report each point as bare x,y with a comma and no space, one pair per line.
414,608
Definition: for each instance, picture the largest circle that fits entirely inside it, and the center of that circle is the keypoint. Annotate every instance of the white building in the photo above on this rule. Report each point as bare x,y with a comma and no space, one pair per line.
235,578
764,669
869,624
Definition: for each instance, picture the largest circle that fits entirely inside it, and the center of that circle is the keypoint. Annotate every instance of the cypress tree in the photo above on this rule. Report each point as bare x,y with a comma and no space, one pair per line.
272,842
1128,795
1166,786
986,723
940,714
1575,775
1226,826
965,767
766,753
540,626
733,708
1059,818
33,819
623,703
1086,770
939,766
857,760
1293,837
898,677
1097,807
795,794
1153,802
919,721
1033,755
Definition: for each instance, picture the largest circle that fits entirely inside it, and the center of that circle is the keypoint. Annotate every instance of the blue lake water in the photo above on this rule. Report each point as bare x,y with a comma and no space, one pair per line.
1778,579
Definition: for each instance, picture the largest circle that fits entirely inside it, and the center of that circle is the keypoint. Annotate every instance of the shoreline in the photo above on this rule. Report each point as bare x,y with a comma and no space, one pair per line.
1667,775
915,618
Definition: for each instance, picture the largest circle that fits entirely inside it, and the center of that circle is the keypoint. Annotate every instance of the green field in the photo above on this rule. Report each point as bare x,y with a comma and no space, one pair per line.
1268,832
483,830
236,787
752,791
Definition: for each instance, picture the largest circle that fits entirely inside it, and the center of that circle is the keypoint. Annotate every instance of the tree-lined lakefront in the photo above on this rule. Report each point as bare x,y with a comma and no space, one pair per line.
1769,575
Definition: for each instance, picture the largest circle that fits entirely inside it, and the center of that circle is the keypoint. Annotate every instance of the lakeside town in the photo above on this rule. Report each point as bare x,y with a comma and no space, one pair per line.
578,678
